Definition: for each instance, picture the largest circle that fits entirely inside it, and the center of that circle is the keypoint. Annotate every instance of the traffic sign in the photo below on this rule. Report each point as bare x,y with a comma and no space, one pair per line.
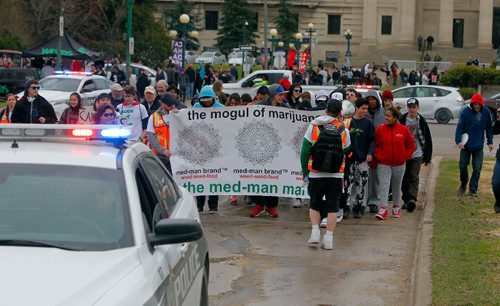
246,48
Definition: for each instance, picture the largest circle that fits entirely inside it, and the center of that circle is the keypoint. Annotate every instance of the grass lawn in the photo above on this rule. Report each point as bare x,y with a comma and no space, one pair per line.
466,241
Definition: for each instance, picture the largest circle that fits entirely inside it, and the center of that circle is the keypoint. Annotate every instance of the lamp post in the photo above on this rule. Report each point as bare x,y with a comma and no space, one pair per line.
348,36
130,39
298,43
184,19
244,52
59,41
273,33
310,30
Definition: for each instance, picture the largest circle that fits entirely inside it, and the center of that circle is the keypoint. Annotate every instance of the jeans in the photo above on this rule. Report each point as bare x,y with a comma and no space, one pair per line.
213,202
410,179
189,92
495,182
477,164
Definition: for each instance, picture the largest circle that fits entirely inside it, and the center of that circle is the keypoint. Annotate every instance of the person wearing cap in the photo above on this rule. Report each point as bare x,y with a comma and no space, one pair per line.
394,145
133,113
495,180
418,127
376,113
269,204
321,100
151,103
362,133
474,121
208,99
324,184
116,94
158,129
33,108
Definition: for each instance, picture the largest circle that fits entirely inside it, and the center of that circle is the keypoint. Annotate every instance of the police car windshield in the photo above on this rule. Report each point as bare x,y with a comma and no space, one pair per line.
60,84
80,208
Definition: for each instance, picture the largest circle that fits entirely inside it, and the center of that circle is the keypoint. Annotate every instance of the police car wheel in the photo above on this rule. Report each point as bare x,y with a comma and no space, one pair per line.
74,221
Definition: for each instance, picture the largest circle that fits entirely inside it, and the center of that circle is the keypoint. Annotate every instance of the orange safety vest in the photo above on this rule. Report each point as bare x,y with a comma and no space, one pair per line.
162,131
314,138
5,117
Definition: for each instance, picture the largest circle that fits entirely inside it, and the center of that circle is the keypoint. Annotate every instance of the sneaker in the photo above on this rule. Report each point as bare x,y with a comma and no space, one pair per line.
496,207
256,211
234,201
356,211
382,213
373,208
297,203
340,215
473,193
323,223
273,212
327,243
410,206
212,211
347,211
461,190
314,239
396,212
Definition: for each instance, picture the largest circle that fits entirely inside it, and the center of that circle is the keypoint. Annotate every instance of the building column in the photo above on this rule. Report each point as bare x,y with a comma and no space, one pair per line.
370,23
407,12
485,27
446,11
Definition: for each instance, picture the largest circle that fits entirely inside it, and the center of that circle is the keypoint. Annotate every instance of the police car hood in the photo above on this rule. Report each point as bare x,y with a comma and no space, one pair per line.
54,96
322,120
49,276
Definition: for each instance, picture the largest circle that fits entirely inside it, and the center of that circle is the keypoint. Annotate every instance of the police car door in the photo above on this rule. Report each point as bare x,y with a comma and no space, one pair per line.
172,259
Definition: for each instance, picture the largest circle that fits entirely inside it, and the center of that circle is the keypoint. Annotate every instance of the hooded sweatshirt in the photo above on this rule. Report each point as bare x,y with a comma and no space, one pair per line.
272,93
474,124
377,115
307,144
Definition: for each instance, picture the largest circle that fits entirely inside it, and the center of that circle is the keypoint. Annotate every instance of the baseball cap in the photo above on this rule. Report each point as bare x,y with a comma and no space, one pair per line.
168,99
150,89
116,87
412,101
337,96
280,90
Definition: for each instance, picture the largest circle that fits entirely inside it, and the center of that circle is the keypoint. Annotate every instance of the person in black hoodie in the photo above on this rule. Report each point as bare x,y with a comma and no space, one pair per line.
293,97
71,115
33,108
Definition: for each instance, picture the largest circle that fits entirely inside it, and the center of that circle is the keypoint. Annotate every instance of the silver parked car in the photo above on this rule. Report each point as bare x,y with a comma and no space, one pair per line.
211,57
236,57
191,56
441,103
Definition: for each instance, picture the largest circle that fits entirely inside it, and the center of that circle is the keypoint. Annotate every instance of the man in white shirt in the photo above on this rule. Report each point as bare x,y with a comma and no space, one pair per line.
133,113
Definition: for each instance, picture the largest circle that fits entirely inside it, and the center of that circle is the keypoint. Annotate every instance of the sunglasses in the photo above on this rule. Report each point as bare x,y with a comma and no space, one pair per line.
206,99
108,115
298,90
35,87
351,94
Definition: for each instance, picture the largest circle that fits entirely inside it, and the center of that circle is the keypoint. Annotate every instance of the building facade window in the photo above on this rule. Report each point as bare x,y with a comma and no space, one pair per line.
211,20
334,24
386,25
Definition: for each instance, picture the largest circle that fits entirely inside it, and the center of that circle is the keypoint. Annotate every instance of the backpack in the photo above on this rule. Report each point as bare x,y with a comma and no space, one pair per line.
327,153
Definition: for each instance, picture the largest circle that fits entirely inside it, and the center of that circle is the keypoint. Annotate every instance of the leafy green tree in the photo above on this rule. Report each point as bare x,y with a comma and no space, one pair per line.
9,41
286,22
151,42
172,22
232,26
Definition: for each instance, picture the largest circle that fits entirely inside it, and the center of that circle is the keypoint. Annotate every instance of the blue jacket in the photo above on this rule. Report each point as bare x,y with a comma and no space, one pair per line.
216,104
474,124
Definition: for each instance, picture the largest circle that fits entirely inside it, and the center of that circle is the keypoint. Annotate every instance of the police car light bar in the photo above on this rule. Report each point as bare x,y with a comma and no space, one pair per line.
110,133
67,72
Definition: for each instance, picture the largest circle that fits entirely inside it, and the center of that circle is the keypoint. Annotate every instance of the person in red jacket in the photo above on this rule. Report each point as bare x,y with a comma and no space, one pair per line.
394,145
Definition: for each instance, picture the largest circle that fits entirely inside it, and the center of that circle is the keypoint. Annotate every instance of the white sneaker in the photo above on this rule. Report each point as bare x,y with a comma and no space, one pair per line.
314,239
323,223
340,215
327,243
297,203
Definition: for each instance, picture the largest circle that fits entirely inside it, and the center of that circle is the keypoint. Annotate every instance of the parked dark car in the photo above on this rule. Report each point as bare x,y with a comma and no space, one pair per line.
12,80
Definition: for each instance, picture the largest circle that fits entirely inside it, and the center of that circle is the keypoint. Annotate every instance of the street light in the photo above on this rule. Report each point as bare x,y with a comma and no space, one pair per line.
310,30
348,36
298,42
273,33
130,39
184,19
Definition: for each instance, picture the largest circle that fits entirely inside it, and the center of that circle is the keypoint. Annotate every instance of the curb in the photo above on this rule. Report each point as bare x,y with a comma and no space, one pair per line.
420,292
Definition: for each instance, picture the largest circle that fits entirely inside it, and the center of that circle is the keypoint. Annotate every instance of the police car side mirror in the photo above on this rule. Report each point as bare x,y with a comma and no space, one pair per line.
171,231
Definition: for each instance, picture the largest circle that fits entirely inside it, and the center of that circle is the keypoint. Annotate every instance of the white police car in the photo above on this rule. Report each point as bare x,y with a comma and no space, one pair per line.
88,220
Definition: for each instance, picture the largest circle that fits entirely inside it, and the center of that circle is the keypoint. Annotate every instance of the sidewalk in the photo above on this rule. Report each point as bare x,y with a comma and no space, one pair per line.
266,261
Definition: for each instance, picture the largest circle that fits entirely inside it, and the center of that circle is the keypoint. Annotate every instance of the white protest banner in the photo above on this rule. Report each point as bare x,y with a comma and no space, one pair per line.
241,150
